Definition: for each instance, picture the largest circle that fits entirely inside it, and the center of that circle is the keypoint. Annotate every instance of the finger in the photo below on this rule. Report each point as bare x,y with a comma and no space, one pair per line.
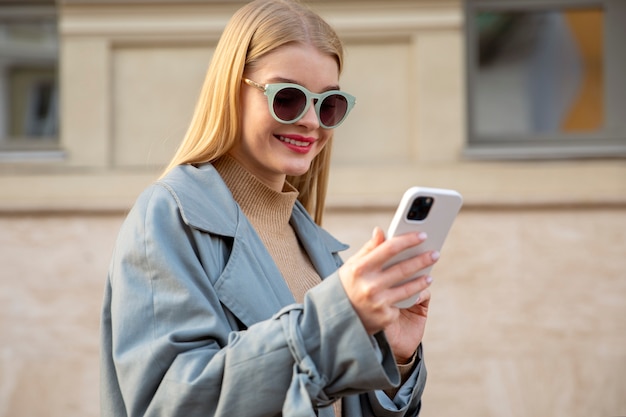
408,269
410,288
392,247
423,301
424,298
378,237
358,263
421,304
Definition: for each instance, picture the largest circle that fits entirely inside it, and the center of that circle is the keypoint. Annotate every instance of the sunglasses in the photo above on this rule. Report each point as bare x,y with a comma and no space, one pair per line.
288,103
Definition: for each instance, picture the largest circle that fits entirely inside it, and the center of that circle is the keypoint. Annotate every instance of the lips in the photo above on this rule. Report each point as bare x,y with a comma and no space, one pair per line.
300,142
296,143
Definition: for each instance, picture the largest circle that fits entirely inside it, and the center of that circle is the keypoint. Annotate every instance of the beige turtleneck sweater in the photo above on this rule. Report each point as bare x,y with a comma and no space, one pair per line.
269,212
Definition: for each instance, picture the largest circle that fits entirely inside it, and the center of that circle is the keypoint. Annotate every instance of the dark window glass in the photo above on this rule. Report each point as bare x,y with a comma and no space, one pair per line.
545,78
29,92
539,72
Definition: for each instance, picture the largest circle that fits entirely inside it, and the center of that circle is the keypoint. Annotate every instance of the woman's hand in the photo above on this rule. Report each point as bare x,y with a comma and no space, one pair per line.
374,292
405,334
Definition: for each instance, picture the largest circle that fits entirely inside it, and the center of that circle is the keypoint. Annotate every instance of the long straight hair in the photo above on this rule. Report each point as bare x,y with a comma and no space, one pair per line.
255,30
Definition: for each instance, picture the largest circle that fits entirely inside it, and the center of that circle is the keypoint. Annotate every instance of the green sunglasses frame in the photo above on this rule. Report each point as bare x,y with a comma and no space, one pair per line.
270,91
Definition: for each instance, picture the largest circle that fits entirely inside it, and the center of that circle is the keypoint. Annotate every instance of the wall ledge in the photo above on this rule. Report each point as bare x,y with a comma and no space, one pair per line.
599,183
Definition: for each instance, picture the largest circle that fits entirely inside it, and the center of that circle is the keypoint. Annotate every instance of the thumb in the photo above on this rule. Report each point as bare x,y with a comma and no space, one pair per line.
378,237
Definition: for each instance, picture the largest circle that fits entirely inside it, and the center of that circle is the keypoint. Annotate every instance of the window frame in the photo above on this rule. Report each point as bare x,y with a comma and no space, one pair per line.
18,148
608,142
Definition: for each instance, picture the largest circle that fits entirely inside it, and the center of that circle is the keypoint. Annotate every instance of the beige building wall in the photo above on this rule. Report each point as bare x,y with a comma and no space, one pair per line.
528,316
530,295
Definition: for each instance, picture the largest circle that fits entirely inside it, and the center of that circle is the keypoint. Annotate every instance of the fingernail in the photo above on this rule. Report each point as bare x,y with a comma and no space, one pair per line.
435,255
429,279
422,235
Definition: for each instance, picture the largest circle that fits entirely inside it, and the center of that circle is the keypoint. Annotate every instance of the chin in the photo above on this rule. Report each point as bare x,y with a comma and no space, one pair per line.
296,171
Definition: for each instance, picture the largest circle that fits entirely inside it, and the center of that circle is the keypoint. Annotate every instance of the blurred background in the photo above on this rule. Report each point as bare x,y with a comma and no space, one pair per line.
519,105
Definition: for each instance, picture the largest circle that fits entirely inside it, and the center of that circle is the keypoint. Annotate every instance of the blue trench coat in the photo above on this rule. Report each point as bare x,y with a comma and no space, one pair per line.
198,321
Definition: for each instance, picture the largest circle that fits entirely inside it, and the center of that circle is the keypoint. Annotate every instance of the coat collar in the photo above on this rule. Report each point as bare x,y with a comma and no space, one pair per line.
206,204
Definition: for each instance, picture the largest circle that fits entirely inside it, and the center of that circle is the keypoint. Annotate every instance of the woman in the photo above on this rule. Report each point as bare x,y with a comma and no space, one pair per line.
224,296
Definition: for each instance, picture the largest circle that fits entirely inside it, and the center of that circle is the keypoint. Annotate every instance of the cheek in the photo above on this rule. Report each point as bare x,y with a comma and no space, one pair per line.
253,106
254,124
256,117
245,113
323,142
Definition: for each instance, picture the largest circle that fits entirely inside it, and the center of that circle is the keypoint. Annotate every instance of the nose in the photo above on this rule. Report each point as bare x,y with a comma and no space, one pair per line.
310,119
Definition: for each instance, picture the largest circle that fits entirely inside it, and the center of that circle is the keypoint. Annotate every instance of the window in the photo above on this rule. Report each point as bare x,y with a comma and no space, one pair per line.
545,79
29,89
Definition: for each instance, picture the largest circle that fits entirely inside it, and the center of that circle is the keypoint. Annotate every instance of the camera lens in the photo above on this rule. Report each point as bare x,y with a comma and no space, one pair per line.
420,208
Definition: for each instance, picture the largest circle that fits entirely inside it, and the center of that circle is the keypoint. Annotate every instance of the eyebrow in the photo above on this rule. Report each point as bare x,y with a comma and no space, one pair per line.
290,81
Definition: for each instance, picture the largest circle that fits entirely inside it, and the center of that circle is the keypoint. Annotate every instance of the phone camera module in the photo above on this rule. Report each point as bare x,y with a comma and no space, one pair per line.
420,208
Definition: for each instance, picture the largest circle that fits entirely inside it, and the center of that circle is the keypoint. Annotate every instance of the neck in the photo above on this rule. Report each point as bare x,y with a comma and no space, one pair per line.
275,182
259,202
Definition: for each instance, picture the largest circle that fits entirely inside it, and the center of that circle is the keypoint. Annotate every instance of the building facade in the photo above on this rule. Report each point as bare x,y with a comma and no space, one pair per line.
530,295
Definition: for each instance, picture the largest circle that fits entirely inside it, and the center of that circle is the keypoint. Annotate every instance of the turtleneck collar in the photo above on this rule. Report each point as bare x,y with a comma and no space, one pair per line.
260,203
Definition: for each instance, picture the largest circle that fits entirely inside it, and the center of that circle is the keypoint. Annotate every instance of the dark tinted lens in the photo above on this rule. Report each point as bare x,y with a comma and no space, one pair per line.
289,103
333,109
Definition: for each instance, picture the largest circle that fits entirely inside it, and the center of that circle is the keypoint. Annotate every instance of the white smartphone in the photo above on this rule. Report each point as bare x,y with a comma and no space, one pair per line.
430,210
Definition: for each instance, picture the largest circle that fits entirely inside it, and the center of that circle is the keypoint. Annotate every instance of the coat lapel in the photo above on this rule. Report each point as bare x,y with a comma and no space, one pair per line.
321,247
251,285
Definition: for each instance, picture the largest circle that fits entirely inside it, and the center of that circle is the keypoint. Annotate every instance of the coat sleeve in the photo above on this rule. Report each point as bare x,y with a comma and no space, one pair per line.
406,403
169,349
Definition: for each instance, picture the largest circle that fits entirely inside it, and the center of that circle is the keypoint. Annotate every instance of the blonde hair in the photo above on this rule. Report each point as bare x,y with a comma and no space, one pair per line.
255,30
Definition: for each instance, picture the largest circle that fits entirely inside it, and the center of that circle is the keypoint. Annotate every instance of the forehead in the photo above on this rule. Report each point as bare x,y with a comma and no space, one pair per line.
304,64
